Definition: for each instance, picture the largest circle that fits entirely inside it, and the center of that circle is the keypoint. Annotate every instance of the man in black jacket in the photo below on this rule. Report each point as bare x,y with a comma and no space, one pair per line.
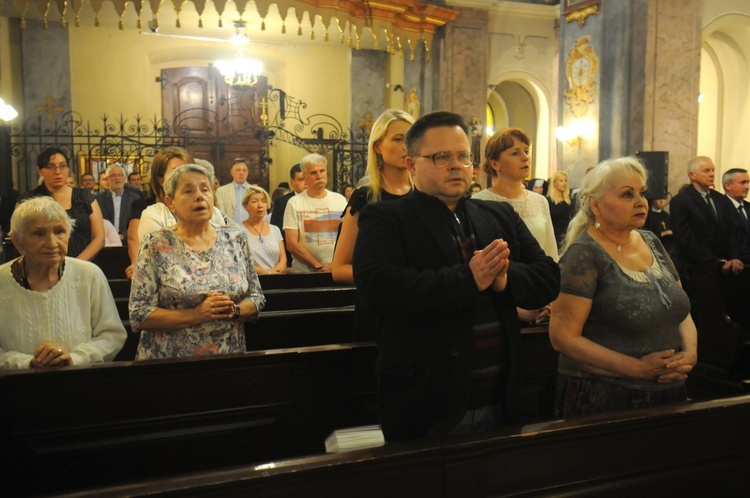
444,274
297,184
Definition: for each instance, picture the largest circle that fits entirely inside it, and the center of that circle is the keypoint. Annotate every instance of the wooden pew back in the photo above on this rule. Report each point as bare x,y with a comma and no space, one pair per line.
681,450
107,423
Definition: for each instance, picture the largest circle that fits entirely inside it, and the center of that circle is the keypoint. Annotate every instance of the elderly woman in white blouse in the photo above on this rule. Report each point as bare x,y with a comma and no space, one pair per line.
507,161
194,282
56,311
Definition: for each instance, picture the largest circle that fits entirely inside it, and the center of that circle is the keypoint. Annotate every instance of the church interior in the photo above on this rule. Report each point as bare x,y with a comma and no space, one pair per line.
273,80
502,62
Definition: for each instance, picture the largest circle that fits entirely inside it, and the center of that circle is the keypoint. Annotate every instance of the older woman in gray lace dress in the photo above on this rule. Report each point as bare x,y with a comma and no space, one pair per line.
194,283
622,322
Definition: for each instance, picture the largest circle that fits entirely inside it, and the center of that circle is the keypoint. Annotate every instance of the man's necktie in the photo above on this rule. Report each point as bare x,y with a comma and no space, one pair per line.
711,204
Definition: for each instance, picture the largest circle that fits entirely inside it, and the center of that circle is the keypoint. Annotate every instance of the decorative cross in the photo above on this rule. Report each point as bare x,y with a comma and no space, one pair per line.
49,109
367,123
263,111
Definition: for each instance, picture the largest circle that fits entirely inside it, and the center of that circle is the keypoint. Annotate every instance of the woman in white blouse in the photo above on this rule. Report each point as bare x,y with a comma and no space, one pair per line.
57,310
507,161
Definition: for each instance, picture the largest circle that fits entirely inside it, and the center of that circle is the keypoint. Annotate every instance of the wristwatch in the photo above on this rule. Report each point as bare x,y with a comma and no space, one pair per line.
236,311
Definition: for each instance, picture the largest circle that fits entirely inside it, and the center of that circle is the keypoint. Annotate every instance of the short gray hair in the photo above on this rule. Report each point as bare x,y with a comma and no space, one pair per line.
170,183
695,163
209,167
312,159
112,166
44,207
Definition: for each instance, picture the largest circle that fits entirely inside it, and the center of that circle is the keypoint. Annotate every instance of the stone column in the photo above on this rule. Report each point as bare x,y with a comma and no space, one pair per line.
672,83
463,65
367,80
46,81
646,87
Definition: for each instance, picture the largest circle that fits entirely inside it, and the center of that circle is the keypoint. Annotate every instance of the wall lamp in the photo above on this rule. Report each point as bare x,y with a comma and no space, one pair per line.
7,112
576,132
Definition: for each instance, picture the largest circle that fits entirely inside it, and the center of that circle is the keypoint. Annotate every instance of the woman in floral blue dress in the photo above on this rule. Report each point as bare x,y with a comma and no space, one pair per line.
194,283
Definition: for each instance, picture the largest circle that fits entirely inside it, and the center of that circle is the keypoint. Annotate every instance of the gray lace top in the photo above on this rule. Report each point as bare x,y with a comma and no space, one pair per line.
634,313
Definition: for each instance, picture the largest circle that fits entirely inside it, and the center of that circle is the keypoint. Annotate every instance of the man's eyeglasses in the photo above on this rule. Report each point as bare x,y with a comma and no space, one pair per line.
443,159
55,167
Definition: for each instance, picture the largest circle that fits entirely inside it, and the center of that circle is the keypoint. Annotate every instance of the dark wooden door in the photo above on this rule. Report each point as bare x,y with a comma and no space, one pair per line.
215,121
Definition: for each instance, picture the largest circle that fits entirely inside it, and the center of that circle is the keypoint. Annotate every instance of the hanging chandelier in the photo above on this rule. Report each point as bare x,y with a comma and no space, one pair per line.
241,73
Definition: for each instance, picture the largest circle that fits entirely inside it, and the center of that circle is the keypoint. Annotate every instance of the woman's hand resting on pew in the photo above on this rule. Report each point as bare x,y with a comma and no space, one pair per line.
51,354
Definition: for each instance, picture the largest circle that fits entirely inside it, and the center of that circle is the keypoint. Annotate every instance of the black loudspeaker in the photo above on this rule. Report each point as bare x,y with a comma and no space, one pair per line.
657,165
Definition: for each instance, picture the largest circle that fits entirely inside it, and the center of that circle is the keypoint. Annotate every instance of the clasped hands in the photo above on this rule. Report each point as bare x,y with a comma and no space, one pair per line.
734,265
216,306
490,266
50,354
668,366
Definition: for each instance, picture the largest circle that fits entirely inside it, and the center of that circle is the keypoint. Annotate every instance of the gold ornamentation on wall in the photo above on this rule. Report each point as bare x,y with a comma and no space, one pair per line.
50,109
579,10
412,105
363,21
366,123
580,71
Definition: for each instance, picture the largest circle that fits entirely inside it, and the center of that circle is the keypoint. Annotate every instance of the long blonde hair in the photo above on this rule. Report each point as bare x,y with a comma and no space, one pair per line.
553,193
594,186
379,128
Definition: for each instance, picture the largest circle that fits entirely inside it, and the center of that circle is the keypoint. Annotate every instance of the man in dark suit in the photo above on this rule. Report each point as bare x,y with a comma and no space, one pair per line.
444,274
736,182
702,223
297,184
117,202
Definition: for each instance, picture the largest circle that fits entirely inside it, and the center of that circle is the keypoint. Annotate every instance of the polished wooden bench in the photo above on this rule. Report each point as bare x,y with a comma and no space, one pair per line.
698,449
106,423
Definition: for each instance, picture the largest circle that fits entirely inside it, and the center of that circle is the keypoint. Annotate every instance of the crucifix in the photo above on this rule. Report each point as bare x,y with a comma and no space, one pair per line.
49,108
263,111
366,123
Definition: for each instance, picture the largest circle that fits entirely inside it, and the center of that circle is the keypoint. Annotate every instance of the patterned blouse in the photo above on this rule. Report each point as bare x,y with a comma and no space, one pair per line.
171,275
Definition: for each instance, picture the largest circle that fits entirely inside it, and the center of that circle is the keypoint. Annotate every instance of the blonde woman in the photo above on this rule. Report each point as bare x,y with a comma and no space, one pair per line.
389,180
560,205
622,322
266,241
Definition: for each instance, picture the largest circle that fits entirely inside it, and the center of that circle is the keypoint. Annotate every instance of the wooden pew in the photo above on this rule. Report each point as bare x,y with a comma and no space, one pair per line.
698,449
101,424
297,281
135,420
113,261
723,345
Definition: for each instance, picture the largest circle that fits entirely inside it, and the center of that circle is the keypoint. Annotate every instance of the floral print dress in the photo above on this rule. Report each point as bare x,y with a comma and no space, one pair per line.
171,275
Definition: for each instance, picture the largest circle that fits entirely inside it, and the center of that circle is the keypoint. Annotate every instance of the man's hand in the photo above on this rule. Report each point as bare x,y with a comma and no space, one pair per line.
489,263
734,265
